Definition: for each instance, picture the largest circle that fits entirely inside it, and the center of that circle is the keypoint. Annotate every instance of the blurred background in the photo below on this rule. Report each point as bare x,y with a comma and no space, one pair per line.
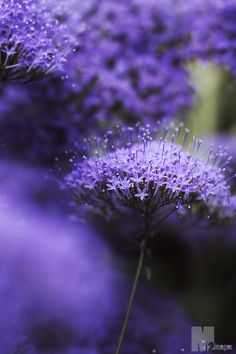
69,302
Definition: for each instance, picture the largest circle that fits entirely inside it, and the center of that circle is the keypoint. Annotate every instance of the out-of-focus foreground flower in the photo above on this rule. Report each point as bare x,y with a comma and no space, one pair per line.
49,292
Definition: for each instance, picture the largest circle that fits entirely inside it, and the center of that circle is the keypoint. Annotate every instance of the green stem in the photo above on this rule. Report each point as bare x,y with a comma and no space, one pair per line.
132,295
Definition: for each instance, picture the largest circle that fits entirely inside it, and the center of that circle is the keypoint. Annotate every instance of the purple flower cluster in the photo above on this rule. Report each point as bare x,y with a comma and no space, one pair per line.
214,33
131,61
152,173
128,69
33,41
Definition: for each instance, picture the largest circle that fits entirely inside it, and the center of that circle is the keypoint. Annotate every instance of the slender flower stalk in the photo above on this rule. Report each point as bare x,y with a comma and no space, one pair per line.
132,296
143,249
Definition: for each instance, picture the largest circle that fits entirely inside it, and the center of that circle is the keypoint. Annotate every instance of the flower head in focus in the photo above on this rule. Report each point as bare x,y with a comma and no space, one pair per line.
148,174
33,41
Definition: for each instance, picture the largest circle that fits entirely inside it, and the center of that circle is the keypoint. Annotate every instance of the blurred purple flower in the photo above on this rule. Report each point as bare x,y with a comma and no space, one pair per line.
132,60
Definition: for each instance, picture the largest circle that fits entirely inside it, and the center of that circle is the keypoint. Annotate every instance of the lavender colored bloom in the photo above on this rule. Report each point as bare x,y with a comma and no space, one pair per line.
131,61
149,174
214,33
33,42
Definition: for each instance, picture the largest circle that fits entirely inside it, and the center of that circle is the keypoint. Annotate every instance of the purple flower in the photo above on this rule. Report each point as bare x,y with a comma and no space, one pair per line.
148,174
33,42
108,79
141,194
131,61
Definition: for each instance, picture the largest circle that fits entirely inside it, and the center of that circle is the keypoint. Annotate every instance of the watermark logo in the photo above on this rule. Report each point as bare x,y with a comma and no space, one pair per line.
203,340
